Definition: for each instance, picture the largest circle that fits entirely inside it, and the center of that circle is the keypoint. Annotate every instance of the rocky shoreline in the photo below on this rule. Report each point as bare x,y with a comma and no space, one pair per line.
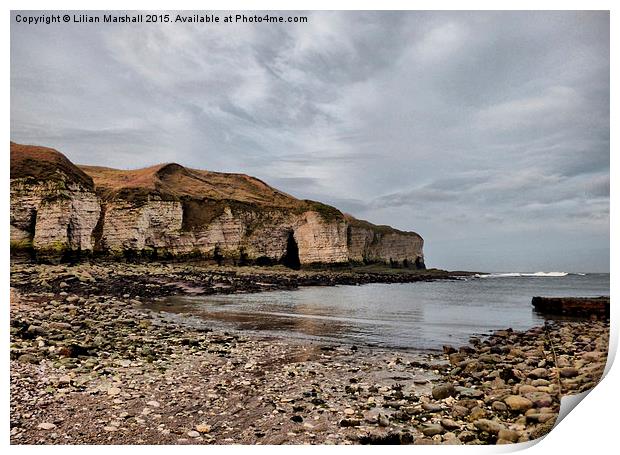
158,279
91,365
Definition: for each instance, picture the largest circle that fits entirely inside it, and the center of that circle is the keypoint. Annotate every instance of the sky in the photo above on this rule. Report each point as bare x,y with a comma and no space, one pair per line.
485,132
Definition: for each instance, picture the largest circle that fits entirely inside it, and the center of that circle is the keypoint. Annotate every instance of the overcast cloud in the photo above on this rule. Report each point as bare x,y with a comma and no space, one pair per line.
486,132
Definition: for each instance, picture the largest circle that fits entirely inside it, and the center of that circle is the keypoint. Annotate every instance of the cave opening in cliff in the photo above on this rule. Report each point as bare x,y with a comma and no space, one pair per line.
291,256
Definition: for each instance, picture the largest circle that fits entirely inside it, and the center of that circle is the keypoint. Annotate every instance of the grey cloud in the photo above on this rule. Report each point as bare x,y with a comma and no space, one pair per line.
452,124
460,182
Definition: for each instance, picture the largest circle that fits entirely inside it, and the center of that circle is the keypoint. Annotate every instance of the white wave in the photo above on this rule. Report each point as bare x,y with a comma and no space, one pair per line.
551,274
521,274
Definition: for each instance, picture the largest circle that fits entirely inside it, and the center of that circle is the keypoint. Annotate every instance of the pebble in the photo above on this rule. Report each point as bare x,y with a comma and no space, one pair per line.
508,435
432,429
449,424
518,403
526,388
540,399
539,373
46,426
60,325
469,392
432,407
203,428
442,391
467,436
28,358
499,406
569,372
592,355
490,426
350,423
477,413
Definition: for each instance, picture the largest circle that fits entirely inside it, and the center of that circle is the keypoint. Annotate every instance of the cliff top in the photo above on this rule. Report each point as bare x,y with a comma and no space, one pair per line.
169,181
43,163
382,228
173,181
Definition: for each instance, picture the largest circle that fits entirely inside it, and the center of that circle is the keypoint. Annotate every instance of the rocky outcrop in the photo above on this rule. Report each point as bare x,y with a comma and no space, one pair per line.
53,204
169,210
573,306
67,222
369,243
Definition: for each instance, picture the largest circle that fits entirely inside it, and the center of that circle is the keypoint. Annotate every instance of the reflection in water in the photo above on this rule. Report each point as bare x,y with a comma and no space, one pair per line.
295,319
419,315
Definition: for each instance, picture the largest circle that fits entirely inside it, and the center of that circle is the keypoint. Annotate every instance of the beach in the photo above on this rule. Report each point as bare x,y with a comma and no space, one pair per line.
91,364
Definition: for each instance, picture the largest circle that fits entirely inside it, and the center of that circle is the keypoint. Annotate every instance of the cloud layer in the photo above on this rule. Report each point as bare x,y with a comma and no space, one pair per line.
486,132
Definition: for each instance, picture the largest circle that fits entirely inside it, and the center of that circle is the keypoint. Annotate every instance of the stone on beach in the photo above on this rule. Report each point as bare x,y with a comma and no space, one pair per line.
569,372
203,428
432,429
539,373
508,435
449,424
518,403
46,426
490,426
443,391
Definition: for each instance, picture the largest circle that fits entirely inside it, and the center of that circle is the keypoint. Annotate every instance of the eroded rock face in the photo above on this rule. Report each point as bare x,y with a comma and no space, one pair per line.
157,225
321,241
127,226
169,210
52,217
379,245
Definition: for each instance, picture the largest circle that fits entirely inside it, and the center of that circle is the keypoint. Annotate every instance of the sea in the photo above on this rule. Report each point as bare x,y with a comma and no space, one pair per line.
420,315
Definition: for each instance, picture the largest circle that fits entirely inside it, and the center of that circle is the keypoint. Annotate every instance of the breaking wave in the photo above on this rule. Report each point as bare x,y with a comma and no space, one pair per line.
519,274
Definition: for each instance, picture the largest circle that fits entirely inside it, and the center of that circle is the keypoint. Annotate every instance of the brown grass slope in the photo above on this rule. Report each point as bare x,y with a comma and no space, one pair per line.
43,163
173,182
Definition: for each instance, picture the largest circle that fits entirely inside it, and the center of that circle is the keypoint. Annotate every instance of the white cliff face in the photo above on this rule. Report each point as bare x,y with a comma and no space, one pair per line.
25,199
398,247
53,217
226,233
129,226
368,245
266,234
85,211
359,242
52,225
319,240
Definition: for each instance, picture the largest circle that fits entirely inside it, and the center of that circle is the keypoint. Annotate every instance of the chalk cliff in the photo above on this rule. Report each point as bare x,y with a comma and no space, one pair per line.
59,209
